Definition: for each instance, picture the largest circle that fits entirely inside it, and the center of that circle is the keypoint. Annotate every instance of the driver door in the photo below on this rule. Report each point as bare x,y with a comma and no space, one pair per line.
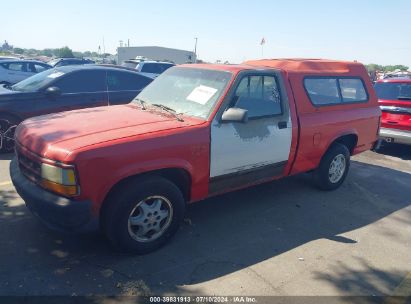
247,152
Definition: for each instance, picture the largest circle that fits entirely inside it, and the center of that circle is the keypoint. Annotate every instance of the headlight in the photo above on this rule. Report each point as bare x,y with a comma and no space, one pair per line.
60,180
58,175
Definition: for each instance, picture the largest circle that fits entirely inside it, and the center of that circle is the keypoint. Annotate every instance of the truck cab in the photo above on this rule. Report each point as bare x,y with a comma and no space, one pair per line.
196,131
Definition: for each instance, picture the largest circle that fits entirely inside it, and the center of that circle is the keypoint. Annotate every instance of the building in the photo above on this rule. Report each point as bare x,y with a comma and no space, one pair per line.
155,53
6,46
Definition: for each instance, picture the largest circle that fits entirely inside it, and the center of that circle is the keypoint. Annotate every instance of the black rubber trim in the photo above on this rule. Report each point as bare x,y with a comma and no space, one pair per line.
242,178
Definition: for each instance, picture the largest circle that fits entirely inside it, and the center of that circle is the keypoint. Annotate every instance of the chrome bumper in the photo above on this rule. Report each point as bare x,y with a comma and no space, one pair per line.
396,136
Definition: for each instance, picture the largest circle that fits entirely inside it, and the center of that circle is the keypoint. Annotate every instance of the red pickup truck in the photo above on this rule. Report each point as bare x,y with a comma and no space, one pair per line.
196,131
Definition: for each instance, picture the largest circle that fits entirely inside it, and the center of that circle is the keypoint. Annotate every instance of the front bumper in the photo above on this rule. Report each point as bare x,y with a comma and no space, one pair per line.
396,136
57,212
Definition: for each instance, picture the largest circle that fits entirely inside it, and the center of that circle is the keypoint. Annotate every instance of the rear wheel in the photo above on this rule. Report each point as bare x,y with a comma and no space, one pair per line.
333,167
143,215
8,125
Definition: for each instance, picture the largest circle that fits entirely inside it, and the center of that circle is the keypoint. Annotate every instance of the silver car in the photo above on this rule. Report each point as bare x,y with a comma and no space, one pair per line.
13,71
149,68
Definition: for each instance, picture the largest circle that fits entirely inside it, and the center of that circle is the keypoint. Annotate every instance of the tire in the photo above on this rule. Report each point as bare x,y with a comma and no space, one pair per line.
8,125
337,157
128,213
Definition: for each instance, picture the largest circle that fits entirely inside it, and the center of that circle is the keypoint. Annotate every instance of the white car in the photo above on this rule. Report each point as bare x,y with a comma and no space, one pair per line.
13,71
149,68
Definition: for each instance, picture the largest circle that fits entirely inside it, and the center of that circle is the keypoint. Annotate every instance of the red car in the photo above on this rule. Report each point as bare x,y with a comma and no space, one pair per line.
195,131
394,97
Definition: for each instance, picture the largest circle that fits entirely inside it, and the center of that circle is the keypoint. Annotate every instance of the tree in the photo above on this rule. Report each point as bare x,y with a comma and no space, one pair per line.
64,52
78,54
400,67
372,67
19,51
47,52
31,52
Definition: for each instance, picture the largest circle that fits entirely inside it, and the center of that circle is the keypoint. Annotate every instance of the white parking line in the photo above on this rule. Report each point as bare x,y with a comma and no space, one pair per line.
6,183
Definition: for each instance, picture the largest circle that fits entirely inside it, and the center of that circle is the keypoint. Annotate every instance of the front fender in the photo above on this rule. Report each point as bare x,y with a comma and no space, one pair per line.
138,168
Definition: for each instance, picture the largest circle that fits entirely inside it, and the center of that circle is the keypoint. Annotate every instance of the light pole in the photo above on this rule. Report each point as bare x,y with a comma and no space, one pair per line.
195,50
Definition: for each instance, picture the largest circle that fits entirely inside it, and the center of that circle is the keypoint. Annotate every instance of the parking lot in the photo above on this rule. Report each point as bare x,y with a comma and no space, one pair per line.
280,238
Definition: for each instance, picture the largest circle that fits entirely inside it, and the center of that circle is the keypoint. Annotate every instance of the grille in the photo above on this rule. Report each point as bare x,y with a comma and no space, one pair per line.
30,168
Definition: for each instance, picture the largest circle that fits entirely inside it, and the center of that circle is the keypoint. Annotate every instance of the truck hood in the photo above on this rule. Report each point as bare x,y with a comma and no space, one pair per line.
54,136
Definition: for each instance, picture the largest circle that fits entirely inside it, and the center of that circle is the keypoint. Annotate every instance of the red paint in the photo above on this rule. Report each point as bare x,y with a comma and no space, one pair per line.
398,121
331,122
107,145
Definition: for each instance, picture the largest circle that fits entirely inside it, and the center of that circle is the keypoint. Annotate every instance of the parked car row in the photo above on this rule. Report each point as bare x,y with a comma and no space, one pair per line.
63,89
15,70
58,62
195,131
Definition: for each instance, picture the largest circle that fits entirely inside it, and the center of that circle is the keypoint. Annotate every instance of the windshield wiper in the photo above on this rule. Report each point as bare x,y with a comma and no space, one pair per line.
169,110
143,103
404,97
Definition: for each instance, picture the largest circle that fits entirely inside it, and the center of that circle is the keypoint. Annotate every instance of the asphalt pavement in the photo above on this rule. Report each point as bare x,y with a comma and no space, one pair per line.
281,238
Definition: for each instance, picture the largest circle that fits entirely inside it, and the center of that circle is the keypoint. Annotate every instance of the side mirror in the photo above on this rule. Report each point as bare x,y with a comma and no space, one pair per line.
235,115
53,92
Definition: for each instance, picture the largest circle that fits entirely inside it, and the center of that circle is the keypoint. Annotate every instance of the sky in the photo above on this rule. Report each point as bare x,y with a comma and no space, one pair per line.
375,31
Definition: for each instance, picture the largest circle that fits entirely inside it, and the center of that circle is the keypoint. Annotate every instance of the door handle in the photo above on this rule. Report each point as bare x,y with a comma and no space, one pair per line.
282,125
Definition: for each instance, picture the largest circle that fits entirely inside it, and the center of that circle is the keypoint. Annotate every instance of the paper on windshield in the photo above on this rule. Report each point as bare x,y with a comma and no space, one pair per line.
201,94
55,75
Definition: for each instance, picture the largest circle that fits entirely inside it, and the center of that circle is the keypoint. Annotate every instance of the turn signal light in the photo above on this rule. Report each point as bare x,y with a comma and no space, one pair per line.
60,189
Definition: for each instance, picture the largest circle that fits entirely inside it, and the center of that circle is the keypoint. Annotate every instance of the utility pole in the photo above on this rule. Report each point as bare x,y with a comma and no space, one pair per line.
195,50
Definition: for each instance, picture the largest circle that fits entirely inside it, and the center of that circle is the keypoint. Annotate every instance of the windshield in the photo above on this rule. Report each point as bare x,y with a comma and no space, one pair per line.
393,90
189,91
38,81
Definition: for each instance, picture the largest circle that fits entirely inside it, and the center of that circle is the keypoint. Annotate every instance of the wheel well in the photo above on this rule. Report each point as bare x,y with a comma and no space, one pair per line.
349,140
179,177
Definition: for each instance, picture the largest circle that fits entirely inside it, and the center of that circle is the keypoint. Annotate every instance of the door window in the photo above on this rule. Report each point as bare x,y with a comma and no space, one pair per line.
16,66
82,82
259,95
36,67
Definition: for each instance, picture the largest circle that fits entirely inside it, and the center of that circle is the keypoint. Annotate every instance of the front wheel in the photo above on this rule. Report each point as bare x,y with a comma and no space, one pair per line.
143,215
333,168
